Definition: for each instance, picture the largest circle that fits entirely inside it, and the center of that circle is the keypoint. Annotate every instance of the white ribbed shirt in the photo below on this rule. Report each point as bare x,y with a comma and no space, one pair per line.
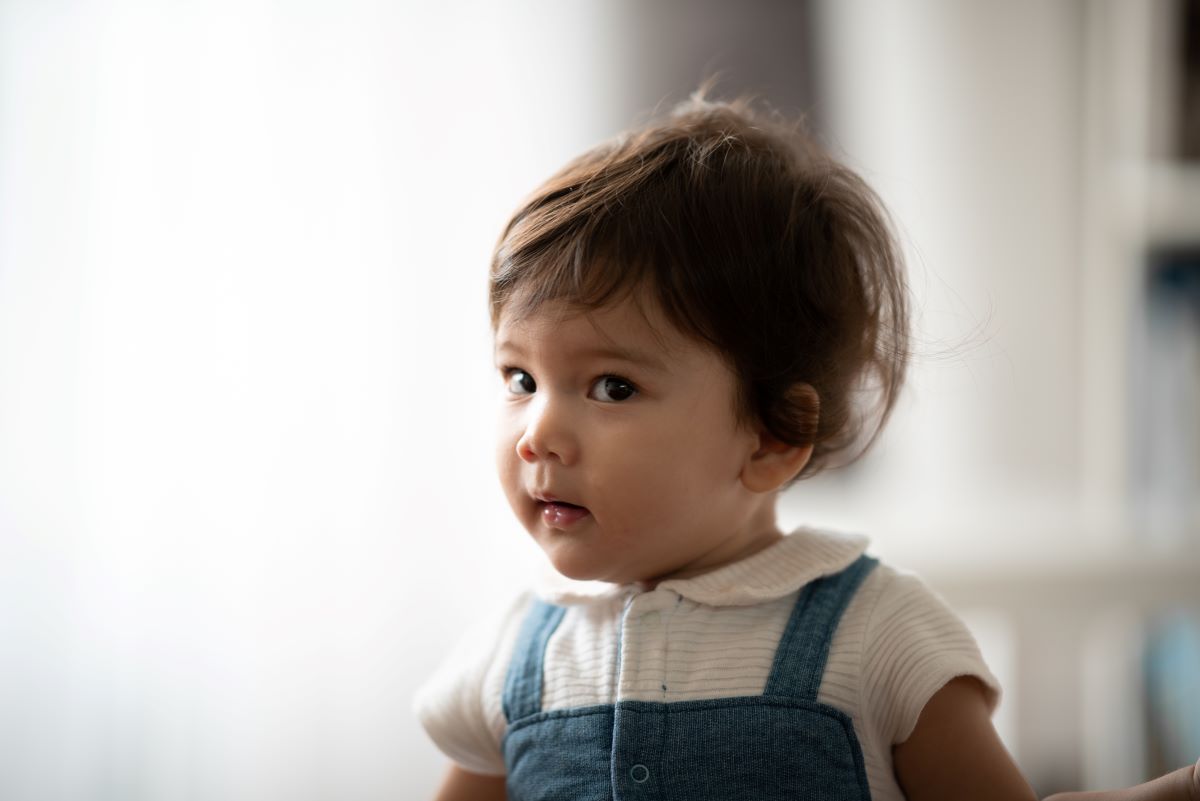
714,636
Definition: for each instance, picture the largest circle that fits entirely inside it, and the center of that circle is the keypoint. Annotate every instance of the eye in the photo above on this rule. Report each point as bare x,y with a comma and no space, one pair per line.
519,382
612,389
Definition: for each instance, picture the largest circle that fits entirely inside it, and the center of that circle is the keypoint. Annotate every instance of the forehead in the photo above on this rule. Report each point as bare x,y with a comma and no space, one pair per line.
632,327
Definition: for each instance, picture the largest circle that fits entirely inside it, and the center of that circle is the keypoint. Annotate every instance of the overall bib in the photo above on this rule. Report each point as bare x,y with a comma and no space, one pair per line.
770,747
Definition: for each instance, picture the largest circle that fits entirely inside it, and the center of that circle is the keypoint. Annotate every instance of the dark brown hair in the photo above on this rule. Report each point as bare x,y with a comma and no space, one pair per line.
753,241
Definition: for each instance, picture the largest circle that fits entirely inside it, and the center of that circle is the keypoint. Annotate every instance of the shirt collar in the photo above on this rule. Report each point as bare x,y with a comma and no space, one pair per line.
780,569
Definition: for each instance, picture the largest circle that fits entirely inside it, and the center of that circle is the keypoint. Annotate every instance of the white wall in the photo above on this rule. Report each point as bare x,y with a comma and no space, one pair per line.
245,386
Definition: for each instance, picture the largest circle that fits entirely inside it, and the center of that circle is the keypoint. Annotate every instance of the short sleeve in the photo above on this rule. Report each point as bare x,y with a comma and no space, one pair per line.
914,645
455,706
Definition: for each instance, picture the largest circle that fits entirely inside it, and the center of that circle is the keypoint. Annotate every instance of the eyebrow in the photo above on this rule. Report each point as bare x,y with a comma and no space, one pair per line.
612,352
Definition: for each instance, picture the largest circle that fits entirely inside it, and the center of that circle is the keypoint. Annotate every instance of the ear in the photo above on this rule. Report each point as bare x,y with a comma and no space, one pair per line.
773,462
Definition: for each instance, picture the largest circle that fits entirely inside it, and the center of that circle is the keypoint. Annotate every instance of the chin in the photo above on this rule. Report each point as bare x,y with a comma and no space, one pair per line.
576,571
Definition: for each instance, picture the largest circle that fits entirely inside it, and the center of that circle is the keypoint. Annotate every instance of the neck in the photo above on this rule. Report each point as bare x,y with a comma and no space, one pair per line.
759,531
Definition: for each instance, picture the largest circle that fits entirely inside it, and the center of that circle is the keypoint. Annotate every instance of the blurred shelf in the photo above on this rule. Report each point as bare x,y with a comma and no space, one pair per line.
1148,581
1173,203
1159,200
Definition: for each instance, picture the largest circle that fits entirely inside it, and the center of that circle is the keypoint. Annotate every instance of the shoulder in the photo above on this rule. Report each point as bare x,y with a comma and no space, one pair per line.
913,645
456,706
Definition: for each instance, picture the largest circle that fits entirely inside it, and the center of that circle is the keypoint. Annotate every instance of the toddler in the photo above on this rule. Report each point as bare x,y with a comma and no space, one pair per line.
687,320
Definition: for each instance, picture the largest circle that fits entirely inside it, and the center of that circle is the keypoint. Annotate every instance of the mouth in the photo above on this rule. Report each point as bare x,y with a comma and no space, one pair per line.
558,513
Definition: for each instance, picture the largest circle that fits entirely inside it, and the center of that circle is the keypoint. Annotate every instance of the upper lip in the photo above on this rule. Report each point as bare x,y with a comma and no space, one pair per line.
549,497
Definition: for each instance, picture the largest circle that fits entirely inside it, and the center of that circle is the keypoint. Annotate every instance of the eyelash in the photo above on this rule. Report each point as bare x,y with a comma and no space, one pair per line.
509,372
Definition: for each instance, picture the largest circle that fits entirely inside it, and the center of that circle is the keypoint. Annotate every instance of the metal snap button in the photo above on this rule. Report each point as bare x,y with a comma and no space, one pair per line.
639,773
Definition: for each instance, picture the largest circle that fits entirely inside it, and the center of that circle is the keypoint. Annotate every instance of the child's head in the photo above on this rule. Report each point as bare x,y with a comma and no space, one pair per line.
720,237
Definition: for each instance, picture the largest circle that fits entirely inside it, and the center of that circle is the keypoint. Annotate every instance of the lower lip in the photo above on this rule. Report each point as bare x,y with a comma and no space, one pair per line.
558,516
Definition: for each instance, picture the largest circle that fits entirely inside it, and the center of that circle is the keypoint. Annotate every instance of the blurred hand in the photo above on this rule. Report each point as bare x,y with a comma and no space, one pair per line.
1181,785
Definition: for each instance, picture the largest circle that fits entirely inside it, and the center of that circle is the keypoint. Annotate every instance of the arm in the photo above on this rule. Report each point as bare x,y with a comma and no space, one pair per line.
1180,785
461,785
955,753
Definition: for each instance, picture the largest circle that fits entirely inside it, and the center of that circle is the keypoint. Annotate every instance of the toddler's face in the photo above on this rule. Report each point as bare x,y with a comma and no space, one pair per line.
618,445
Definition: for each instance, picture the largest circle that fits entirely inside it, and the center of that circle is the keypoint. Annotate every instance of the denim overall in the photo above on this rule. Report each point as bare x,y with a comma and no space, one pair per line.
778,745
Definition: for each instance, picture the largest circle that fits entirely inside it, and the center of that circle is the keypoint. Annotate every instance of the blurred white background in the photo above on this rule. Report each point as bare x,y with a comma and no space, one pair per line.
246,490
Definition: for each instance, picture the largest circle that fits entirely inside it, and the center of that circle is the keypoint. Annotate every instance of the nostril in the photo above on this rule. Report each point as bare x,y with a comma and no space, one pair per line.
525,450
545,436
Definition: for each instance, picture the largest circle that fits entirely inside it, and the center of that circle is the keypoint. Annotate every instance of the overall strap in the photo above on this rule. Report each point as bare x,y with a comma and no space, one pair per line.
523,685
804,647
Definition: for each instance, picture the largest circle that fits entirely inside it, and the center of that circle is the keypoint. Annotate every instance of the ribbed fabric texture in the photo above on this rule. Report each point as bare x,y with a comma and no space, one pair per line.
715,636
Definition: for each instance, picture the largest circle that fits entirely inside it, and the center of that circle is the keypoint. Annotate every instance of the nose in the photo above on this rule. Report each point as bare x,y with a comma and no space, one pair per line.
548,433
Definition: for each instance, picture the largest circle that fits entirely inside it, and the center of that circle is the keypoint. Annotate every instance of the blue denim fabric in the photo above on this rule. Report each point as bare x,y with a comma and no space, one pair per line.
770,747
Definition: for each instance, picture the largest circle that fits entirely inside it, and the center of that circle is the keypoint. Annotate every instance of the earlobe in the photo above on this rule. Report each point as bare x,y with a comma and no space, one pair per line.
774,463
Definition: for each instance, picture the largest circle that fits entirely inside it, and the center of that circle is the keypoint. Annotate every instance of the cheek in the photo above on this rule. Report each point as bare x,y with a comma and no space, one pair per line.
507,460
698,444
503,467
507,430
680,468
726,442
651,479
508,470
